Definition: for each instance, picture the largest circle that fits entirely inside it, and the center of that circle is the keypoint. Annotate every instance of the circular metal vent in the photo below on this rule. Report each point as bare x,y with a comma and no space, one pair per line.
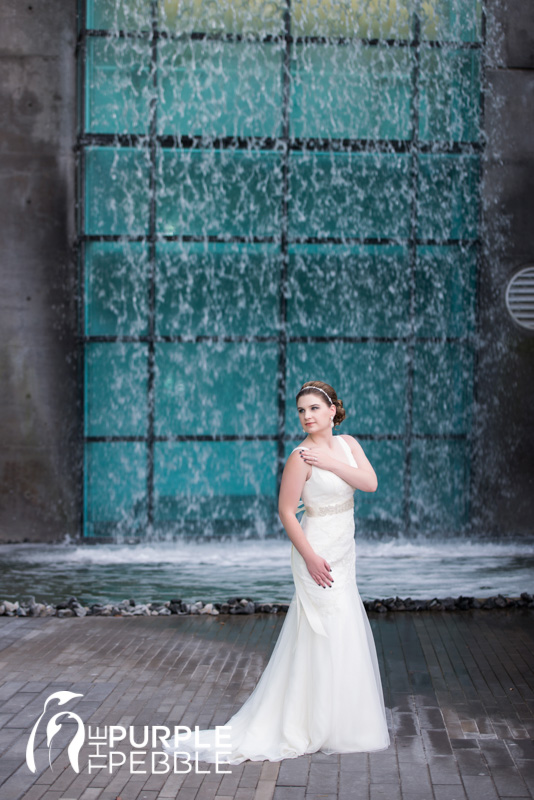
520,298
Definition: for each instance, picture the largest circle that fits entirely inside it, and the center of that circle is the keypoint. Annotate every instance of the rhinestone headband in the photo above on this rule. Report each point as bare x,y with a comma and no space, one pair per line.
317,389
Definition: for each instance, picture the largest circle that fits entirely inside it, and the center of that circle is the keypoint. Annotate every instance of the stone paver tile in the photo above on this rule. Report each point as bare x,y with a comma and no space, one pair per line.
415,781
269,770
172,786
293,772
444,769
245,794
496,753
311,795
471,762
323,778
405,723
353,762
464,744
10,688
480,788
229,784
509,782
354,784
251,775
449,792
265,790
410,748
383,768
384,791
91,793
431,718
436,742
207,790
289,793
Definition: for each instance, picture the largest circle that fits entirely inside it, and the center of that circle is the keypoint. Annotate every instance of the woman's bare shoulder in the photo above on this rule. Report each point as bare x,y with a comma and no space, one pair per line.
299,446
352,442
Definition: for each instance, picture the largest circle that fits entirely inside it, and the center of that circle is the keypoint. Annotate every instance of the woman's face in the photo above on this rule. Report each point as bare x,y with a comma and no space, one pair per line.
314,413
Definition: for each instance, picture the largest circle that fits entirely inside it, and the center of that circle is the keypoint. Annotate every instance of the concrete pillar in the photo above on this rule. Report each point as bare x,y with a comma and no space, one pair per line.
504,467
39,450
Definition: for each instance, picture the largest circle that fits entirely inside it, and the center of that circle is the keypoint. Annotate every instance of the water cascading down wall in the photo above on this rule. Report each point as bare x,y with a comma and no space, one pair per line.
273,192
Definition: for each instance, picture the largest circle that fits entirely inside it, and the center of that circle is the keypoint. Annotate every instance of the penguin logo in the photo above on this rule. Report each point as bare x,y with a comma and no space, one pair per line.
54,727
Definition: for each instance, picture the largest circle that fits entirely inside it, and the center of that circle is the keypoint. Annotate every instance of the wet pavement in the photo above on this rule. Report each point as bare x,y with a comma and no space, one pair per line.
458,688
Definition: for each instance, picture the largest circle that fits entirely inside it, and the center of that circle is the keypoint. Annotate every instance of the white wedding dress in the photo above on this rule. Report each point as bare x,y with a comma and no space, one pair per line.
321,689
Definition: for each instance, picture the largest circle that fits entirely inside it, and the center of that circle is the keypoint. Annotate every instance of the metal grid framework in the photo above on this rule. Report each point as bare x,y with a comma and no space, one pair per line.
284,144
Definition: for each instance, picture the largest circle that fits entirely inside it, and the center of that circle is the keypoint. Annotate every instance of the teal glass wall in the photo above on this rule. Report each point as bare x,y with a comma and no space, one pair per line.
273,192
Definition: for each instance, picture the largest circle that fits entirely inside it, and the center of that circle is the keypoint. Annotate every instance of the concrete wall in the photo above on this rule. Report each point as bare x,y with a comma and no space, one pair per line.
39,435
38,395
504,468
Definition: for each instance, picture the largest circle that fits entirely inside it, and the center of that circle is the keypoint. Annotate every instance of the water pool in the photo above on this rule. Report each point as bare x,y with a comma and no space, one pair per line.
256,569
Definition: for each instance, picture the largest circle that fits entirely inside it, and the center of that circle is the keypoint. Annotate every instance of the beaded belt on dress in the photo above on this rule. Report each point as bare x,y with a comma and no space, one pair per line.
323,511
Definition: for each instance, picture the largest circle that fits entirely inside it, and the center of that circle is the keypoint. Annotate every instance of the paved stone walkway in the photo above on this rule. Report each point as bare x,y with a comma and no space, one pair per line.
458,687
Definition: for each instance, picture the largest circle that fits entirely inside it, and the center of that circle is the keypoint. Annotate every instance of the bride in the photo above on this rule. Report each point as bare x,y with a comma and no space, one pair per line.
321,689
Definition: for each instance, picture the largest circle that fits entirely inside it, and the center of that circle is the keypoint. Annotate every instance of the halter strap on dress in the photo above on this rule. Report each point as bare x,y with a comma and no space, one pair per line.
338,508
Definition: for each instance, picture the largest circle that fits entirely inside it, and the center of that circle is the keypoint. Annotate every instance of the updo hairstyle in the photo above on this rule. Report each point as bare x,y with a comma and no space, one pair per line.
311,387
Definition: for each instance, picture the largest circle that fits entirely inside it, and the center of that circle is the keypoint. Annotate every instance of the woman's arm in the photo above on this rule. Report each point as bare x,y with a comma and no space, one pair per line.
293,479
362,477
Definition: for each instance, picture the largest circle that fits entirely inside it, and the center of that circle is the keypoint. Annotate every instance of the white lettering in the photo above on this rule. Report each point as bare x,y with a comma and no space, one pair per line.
134,762
164,760
144,743
157,739
120,759
186,760
177,735
116,734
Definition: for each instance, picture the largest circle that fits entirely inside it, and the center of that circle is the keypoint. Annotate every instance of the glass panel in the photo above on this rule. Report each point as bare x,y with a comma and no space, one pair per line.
216,388
448,197
349,194
348,291
220,88
224,16
116,286
442,392
115,488
456,20
369,377
449,93
116,191
445,286
385,506
368,19
211,481
115,389
218,192
118,85
440,485
352,91
118,14
217,289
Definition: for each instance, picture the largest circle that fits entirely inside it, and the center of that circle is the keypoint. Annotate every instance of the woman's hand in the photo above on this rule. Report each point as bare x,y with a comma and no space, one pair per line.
320,570
318,458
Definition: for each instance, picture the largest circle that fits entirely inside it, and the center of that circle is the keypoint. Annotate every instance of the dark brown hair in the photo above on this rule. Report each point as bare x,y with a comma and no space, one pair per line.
310,386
